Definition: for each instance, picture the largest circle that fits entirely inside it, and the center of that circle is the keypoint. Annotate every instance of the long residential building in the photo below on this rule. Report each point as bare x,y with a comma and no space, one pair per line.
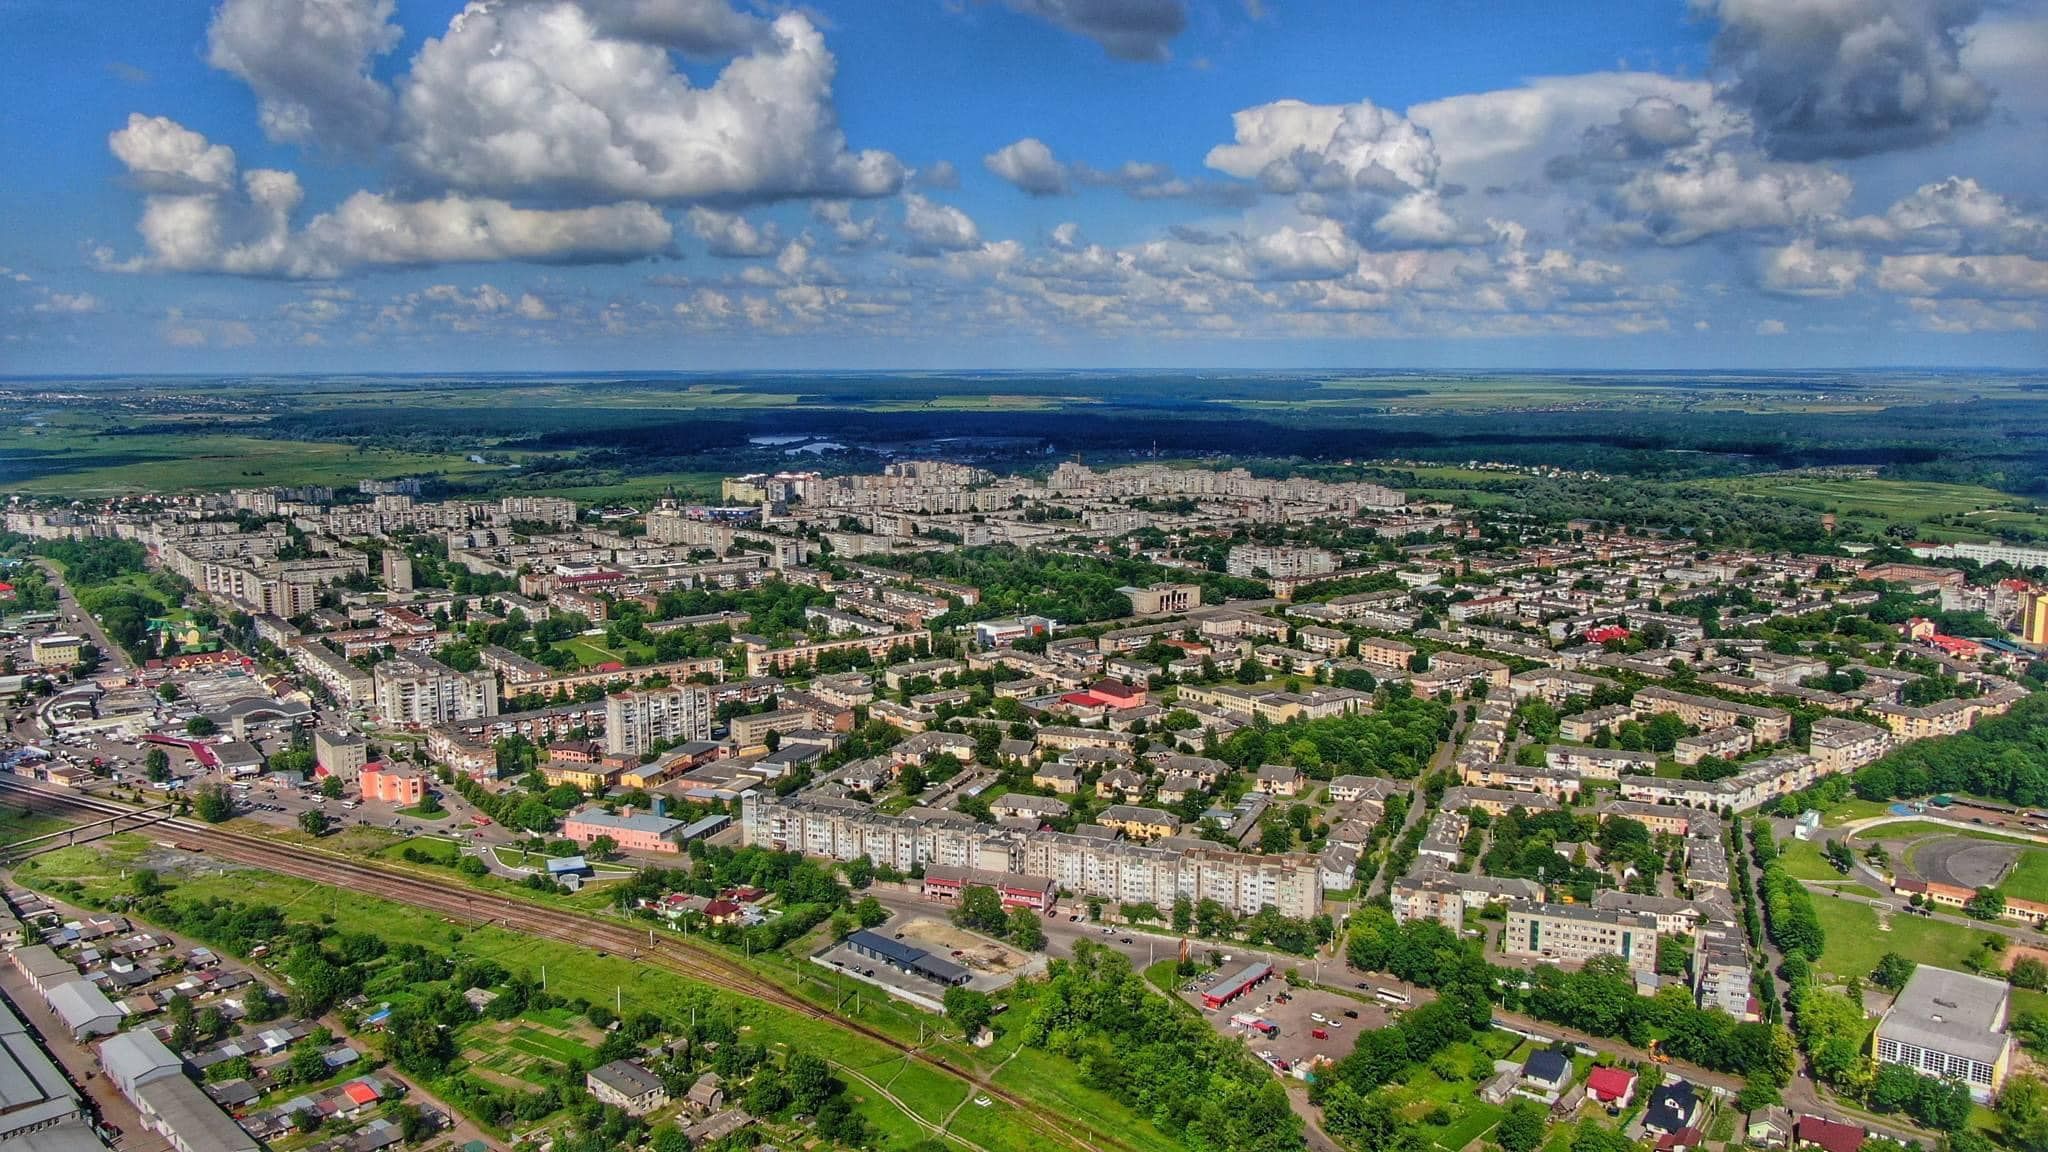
1114,870
638,719
1770,725
763,660
1574,933
1760,781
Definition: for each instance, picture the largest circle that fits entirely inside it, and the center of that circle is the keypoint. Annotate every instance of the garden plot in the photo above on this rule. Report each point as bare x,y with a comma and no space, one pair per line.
523,1052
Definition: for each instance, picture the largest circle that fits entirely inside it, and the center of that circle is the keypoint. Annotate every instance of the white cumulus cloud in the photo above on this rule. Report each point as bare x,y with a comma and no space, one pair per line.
934,227
1029,165
534,97
1291,146
308,61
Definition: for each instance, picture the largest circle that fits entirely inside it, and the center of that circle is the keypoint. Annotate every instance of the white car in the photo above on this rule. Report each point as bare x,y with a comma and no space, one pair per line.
1318,1017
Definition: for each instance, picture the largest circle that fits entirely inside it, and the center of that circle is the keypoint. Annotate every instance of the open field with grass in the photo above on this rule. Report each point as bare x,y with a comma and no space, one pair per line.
2028,879
84,463
1855,943
1915,829
17,825
1950,511
590,651
1852,809
1803,860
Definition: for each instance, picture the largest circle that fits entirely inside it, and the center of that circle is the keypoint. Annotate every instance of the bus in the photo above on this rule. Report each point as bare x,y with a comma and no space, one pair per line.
1389,996
480,820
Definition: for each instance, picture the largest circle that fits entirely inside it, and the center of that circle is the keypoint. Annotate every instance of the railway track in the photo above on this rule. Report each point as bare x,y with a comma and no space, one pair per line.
694,961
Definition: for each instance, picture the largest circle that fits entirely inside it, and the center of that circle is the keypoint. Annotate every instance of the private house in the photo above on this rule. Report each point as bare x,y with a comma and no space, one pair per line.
1545,1076
1613,1088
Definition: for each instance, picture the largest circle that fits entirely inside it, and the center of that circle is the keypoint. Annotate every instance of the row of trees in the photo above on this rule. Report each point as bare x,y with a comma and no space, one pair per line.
1600,997
1166,1065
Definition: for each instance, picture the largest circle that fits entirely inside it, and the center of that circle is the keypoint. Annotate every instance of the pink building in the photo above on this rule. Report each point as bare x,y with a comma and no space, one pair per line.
631,831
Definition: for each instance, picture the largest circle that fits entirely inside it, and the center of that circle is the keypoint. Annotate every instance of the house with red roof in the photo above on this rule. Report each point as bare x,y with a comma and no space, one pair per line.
1084,705
1615,1088
1680,1140
1828,1135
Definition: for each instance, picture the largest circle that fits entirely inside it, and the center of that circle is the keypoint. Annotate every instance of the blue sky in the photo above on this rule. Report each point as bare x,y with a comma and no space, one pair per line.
309,185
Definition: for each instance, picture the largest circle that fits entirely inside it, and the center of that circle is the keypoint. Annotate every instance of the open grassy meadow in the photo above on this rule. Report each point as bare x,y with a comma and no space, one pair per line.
1856,942
1865,504
2029,878
85,463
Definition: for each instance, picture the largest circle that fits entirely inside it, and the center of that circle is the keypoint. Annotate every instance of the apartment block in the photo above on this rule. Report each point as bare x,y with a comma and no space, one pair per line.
637,719
1085,865
1252,560
419,691
1574,934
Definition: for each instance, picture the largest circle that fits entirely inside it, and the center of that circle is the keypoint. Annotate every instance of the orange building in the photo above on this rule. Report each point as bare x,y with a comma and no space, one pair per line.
390,785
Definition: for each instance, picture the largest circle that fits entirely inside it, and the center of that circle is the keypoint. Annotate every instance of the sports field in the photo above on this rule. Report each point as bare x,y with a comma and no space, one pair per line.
1855,942
2029,878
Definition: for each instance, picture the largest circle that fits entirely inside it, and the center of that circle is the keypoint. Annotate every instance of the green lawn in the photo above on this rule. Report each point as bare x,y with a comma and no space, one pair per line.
417,814
1914,829
17,825
1803,860
2029,878
589,651
1855,944
1854,808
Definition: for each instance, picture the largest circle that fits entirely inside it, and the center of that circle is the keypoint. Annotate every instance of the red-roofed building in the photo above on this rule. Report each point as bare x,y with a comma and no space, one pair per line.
1613,1087
1117,694
361,1093
1680,1140
1606,632
1084,706
1829,1135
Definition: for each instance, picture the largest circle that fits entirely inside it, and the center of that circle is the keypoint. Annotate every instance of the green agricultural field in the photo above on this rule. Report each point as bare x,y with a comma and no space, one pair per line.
1855,943
79,463
1864,504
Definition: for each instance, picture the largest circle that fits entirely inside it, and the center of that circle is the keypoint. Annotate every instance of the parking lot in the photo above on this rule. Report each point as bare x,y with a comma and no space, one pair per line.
1298,1013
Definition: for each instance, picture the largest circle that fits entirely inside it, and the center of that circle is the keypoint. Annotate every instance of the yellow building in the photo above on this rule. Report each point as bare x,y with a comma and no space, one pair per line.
57,650
1139,823
592,778
2034,625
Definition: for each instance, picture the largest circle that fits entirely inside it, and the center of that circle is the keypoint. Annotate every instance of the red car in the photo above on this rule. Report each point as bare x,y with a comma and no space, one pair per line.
1319,1033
